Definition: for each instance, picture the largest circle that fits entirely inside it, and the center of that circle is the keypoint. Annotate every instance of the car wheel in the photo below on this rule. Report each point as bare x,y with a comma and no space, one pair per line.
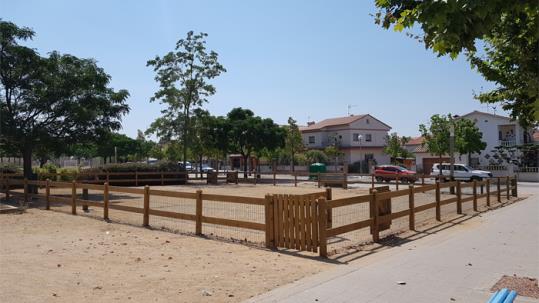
476,178
379,179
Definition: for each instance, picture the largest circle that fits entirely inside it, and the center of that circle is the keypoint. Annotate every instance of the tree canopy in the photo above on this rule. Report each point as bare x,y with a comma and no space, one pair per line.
499,37
183,77
293,141
395,147
59,98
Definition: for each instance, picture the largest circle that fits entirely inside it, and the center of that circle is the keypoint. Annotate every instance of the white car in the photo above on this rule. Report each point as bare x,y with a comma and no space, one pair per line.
460,172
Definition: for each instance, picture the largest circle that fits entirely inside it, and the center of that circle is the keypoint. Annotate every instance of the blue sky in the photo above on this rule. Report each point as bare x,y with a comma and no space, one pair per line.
305,59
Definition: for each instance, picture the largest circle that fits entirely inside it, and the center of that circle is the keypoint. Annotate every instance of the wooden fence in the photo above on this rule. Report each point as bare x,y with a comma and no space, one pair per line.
301,222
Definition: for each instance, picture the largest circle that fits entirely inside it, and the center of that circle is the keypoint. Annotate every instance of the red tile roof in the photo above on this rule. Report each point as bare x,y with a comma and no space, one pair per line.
416,141
333,122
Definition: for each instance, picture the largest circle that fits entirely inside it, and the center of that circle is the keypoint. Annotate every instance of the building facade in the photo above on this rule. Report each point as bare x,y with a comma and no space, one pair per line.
361,138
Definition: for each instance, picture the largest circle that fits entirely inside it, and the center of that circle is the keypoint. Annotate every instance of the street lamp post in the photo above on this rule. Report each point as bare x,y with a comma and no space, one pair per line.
451,153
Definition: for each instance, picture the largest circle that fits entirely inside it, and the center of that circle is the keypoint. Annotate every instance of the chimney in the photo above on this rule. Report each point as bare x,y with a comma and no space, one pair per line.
310,123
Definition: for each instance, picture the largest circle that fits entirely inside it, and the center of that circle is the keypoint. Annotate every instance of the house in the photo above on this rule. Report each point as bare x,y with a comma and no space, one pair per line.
498,131
359,137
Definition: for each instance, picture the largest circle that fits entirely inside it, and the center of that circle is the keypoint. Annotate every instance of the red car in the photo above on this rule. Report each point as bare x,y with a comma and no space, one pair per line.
390,172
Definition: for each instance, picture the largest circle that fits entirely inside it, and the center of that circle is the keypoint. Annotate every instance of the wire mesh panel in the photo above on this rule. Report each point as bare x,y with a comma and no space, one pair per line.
126,205
161,203
232,215
345,215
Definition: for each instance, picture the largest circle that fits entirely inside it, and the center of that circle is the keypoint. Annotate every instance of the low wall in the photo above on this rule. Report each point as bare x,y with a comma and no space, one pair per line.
528,177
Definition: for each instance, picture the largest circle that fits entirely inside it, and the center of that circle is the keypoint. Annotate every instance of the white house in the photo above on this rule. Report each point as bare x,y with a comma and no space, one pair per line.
497,131
359,137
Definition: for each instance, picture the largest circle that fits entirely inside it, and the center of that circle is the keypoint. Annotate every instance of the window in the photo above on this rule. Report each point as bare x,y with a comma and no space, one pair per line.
355,137
499,135
311,139
368,121
368,137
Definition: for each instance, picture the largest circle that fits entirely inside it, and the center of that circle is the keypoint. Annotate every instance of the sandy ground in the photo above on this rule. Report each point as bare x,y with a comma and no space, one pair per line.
54,257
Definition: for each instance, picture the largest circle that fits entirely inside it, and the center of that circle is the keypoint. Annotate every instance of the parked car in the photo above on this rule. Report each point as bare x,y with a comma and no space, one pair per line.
460,172
390,172
188,166
205,168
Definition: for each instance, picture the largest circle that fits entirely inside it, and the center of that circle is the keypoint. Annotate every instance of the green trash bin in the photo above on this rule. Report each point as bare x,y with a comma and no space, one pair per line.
316,168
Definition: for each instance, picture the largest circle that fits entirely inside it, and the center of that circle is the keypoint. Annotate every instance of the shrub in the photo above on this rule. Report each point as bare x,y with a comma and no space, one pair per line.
140,167
10,168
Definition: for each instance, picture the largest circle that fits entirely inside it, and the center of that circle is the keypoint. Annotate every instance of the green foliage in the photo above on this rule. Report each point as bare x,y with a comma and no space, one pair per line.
248,133
468,138
140,167
395,147
183,78
506,29
9,168
60,98
316,156
293,143
436,135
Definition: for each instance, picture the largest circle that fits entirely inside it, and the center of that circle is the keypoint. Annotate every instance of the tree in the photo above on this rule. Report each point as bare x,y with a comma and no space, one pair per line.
333,153
293,141
183,79
60,98
316,156
249,133
436,136
395,147
506,29
468,138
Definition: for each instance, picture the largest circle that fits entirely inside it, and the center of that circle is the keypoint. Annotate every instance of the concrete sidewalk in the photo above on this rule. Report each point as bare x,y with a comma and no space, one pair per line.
459,264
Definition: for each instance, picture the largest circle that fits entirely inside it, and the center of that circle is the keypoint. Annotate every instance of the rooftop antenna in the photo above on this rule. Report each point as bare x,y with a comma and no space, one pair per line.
350,108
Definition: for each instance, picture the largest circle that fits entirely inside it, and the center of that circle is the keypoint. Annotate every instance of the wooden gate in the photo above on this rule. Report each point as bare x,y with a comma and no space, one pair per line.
296,222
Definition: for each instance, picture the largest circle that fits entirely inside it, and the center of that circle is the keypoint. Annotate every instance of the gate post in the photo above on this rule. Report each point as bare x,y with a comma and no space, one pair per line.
198,224
459,198
74,198
373,205
507,187
498,189
488,192
438,209
411,206
47,195
146,215
268,211
474,191
329,197
322,226
514,183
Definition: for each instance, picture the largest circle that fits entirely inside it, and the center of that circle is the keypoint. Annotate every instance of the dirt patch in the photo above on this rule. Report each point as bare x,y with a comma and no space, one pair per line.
53,257
524,286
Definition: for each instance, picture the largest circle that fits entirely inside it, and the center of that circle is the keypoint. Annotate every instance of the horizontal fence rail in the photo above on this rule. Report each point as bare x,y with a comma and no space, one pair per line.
302,222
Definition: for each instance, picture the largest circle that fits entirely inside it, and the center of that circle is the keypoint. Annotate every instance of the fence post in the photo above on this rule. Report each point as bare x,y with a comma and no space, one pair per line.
474,195
423,179
7,188
514,189
507,187
198,227
397,182
136,178
372,180
322,226
329,197
47,195
345,180
499,190
163,181
268,212
274,177
74,198
488,192
296,180
107,176
25,184
85,197
459,198
438,210
146,217
373,205
106,201
411,206
318,179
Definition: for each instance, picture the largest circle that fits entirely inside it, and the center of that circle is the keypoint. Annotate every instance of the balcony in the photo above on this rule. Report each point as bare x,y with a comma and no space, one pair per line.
508,142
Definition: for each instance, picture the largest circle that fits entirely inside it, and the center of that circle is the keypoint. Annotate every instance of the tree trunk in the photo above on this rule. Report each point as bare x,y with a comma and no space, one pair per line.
42,162
470,159
245,158
27,162
293,164
440,166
